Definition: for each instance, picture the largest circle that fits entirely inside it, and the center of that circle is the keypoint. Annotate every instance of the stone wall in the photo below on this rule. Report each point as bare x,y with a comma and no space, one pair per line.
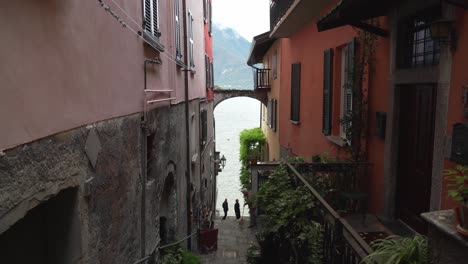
102,162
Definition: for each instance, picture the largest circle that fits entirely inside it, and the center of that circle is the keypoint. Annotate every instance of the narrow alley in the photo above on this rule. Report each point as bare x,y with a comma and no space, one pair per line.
234,239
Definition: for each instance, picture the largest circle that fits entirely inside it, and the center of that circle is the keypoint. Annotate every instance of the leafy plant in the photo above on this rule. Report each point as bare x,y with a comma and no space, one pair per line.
251,144
178,255
289,208
399,250
458,181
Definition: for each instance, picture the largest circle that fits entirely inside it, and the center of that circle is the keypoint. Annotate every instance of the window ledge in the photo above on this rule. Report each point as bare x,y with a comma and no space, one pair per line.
336,140
153,42
297,123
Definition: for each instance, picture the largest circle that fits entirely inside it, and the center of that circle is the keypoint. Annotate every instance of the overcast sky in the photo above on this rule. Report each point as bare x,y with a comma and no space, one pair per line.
248,17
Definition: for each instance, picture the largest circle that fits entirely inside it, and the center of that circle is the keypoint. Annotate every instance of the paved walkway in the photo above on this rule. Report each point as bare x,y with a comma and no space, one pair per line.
233,241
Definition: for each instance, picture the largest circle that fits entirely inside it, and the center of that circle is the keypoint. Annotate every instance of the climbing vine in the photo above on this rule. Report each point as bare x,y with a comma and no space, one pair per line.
357,119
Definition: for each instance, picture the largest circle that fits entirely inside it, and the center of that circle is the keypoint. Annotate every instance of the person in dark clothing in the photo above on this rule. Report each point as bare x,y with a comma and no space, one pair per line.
237,209
225,209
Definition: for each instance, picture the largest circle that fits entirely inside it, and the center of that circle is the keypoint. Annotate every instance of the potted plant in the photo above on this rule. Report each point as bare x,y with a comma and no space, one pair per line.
457,181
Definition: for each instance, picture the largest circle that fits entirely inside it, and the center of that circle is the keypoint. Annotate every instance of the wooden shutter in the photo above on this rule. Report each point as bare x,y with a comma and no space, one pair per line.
211,17
269,113
349,86
275,60
295,91
192,63
147,25
177,30
204,10
275,114
155,19
327,92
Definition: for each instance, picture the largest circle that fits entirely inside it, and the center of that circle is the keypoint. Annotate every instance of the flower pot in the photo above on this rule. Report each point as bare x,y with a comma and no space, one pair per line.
461,217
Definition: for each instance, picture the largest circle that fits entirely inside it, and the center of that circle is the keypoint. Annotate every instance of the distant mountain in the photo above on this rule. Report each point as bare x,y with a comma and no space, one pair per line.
230,57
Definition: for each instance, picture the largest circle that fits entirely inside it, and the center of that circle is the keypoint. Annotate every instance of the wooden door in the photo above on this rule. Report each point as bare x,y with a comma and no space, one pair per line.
416,141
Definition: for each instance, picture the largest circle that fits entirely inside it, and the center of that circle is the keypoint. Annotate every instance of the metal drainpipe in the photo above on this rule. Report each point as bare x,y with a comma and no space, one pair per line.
144,161
187,124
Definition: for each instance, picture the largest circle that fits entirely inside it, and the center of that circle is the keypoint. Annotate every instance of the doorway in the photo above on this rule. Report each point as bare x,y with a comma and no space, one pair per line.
415,153
48,234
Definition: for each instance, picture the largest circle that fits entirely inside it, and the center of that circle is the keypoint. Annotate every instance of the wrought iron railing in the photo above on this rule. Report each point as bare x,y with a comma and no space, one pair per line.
278,9
262,78
341,242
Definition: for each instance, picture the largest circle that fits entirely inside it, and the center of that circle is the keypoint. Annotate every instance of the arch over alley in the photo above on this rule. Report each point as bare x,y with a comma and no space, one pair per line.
220,95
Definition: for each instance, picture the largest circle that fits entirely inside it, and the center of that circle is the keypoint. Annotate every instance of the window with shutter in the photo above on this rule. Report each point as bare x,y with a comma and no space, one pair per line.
275,54
269,114
212,74
177,30
327,92
295,92
191,50
204,11
151,18
348,86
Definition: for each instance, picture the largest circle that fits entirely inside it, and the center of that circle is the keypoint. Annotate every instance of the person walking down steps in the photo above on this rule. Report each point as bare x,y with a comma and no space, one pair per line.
237,209
225,208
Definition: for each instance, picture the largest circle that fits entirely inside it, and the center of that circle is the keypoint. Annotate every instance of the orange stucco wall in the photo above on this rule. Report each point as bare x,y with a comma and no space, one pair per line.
69,63
306,139
459,78
272,136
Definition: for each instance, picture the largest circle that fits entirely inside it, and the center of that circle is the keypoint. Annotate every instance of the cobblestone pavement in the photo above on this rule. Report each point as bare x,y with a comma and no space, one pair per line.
233,242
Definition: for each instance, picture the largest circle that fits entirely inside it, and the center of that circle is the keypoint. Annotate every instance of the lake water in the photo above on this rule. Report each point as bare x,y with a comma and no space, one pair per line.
231,117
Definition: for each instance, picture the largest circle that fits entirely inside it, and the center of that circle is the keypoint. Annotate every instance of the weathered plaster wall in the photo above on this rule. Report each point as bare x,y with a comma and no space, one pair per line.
109,196
77,65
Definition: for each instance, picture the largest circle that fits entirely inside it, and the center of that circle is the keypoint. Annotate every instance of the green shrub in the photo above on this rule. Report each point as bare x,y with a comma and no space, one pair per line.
189,258
251,144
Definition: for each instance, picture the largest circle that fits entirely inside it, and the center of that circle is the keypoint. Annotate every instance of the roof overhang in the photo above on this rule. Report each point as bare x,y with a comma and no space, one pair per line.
298,15
259,47
353,12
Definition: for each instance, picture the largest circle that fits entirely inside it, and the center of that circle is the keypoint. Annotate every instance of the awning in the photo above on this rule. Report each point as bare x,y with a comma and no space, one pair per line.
353,12
260,46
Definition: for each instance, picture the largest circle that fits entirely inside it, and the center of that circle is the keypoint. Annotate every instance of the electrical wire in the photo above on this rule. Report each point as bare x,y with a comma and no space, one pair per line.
139,35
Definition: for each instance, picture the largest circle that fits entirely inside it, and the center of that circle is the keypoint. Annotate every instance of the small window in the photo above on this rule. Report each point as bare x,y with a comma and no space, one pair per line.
295,92
204,127
212,74
207,72
210,9
416,47
204,11
275,114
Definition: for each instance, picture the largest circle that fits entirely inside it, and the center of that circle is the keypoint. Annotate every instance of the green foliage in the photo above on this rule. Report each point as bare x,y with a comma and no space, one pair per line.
189,258
253,255
398,250
289,209
251,144
178,255
458,183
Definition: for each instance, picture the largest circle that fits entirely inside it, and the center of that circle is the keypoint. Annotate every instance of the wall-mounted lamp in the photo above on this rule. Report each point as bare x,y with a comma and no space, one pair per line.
223,161
443,32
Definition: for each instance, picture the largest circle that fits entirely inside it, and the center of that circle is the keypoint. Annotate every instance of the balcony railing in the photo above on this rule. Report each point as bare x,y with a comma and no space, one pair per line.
262,78
341,242
278,9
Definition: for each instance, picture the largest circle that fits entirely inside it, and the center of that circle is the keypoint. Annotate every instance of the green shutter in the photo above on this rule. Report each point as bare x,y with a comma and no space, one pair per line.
327,92
349,86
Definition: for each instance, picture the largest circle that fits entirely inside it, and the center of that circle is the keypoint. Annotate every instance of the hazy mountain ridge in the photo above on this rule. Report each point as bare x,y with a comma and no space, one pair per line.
230,55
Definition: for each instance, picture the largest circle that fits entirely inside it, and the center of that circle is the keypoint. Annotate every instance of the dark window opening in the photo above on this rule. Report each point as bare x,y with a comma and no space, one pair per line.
416,47
150,156
204,127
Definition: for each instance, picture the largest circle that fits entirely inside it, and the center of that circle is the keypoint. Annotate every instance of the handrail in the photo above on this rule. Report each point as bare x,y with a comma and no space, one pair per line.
355,236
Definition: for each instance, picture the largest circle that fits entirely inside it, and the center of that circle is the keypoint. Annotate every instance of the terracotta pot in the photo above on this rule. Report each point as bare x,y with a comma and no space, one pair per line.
461,215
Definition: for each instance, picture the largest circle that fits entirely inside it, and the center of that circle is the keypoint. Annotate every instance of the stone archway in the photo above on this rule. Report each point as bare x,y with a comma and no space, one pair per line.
168,210
259,94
